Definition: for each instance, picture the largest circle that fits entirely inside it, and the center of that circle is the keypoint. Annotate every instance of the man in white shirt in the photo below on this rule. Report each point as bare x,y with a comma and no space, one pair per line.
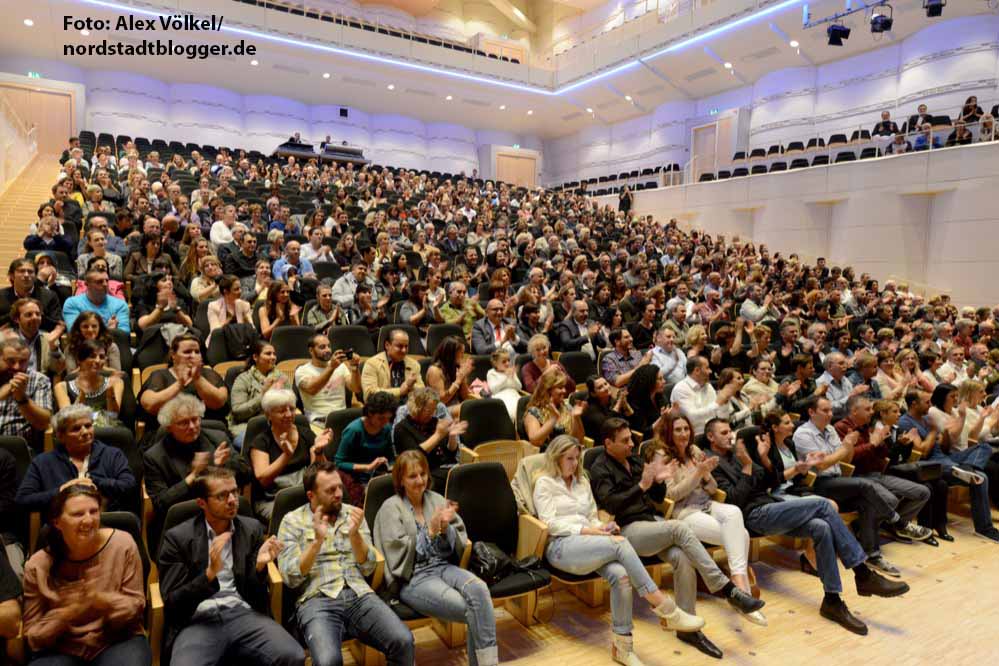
756,306
953,370
697,398
221,232
671,361
346,285
324,380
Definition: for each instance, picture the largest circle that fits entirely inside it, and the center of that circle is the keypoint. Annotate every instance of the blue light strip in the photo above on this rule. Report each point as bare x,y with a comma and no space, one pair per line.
714,32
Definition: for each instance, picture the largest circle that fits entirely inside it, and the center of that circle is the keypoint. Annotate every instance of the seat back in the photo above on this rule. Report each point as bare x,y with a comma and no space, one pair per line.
487,420
379,489
337,421
292,341
437,332
285,501
183,511
353,337
578,365
590,456
486,503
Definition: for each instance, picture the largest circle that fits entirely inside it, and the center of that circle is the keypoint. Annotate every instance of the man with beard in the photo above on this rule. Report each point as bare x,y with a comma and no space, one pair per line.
327,552
46,355
213,575
324,380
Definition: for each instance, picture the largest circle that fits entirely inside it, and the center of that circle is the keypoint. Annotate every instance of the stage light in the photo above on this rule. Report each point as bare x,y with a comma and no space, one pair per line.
837,33
934,8
881,22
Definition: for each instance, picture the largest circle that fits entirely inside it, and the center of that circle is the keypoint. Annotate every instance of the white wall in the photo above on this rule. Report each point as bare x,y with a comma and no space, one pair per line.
940,65
928,218
135,105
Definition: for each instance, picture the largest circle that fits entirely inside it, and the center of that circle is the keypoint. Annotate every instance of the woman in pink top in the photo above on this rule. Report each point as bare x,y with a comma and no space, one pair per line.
84,594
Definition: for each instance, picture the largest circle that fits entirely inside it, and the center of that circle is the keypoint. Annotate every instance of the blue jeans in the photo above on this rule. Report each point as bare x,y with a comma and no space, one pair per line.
132,651
450,593
974,457
815,518
324,621
615,560
236,634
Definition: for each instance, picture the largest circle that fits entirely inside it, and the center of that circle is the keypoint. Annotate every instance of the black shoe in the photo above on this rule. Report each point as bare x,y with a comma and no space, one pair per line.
701,642
932,542
943,535
841,615
806,566
879,586
744,603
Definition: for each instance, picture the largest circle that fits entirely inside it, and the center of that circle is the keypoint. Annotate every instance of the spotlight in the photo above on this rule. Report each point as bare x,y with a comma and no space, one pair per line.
882,22
934,8
793,43
837,33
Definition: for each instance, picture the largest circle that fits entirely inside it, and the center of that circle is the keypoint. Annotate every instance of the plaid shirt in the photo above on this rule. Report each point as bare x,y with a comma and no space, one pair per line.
335,565
615,363
12,422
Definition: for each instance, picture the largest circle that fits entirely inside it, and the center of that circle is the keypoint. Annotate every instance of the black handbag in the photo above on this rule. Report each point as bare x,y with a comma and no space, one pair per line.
489,562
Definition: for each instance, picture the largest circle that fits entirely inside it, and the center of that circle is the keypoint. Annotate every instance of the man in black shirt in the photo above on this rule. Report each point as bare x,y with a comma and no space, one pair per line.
243,263
424,423
628,488
749,486
23,285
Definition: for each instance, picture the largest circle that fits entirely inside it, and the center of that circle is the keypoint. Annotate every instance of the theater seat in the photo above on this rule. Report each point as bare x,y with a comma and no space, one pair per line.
799,164
706,178
846,156
820,160
868,153
740,172
759,169
778,166
837,139
724,175
794,147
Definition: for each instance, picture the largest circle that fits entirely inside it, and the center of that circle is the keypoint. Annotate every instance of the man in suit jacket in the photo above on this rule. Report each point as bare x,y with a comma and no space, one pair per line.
576,330
916,120
495,331
886,127
213,576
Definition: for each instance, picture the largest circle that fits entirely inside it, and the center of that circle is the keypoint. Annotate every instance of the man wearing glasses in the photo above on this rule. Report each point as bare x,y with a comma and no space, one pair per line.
213,575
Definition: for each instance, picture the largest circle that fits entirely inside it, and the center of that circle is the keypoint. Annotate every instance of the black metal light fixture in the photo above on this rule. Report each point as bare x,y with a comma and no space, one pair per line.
934,8
882,22
837,33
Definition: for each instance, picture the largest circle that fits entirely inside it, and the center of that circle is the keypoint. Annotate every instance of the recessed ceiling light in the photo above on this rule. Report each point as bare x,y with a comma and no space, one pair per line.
326,75
391,86
29,22
589,110
794,43
628,97
449,97
502,107
530,112
728,65
254,62
85,32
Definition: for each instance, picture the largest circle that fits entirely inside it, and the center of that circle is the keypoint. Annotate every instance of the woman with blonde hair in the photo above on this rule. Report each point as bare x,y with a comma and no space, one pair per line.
548,413
579,543
691,488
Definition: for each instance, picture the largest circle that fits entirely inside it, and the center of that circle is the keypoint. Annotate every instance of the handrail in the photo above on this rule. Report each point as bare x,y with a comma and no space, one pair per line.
13,116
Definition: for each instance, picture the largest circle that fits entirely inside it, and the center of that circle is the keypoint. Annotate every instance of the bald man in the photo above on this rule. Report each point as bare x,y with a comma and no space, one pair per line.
494,331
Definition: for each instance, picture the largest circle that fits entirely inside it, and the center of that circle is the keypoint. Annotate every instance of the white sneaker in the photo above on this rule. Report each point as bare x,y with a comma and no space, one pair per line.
968,476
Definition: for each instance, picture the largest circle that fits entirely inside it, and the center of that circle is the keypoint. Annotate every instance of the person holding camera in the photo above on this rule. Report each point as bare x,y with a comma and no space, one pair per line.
324,380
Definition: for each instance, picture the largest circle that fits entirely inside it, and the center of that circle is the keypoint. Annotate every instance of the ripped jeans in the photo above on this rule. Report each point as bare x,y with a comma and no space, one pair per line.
450,593
616,562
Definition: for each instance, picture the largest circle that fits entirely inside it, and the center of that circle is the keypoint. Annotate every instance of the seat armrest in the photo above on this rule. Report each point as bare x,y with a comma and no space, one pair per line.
719,495
847,469
810,479
915,456
587,443
275,586
668,506
49,440
604,517
155,622
466,555
531,536
379,574
467,456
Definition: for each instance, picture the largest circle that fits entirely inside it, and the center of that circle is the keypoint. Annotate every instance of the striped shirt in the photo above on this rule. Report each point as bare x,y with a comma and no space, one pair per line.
334,566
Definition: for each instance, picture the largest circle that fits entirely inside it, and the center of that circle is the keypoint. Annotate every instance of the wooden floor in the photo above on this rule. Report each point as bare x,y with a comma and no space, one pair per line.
950,617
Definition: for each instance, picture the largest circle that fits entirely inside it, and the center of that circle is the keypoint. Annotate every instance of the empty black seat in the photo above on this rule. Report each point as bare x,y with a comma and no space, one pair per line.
758,169
799,163
795,146
723,175
820,159
846,156
868,153
740,155
775,150
739,172
706,177
816,142
757,152
837,139
778,166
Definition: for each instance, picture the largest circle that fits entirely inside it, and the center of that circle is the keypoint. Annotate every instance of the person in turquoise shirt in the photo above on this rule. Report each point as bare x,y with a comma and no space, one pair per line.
114,311
366,446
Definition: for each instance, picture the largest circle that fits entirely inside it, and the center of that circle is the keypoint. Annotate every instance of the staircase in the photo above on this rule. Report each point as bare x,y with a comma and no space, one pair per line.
19,207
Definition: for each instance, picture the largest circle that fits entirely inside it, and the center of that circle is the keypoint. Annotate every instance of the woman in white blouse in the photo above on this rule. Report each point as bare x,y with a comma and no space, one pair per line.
580,544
